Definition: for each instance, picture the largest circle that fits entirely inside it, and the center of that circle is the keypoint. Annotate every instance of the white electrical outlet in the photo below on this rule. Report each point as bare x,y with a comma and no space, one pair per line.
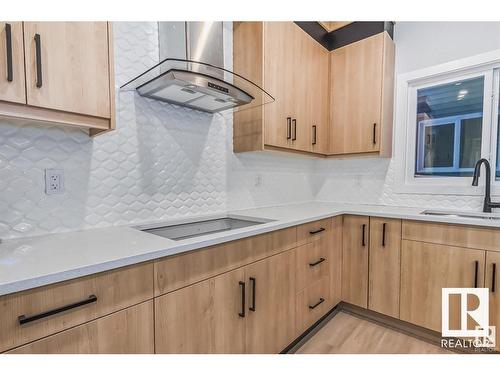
54,181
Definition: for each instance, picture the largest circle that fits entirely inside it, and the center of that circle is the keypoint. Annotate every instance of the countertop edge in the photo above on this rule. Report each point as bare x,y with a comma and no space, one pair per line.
212,240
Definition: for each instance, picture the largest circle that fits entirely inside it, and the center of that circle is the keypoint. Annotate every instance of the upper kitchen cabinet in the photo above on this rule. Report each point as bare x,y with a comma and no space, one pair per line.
63,74
12,83
362,87
333,25
293,68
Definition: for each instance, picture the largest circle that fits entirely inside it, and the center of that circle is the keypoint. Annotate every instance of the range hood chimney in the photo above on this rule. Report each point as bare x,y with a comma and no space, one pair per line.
191,73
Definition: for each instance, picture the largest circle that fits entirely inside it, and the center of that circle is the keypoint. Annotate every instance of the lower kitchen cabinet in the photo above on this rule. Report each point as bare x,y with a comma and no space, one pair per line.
125,332
425,270
312,303
202,318
491,282
271,303
384,270
318,273
355,260
248,310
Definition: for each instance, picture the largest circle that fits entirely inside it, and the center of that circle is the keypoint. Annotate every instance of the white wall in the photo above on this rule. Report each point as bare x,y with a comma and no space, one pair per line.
423,44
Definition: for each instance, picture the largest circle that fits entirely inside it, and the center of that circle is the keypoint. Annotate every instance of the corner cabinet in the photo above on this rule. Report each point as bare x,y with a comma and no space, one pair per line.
290,65
58,72
361,98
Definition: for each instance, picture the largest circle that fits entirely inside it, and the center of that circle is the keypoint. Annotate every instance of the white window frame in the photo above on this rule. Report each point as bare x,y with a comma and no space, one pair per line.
457,123
407,85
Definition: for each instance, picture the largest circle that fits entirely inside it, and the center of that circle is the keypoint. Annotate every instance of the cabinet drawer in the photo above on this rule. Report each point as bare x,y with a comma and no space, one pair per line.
312,303
312,263
175,272
313,231
126,332
452,234
113,291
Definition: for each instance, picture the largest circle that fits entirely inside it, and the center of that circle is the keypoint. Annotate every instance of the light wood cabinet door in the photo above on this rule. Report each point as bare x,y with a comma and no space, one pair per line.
271,319
12,81
384,273
67,66
356,96
279,66
203,318
128,331
318,98
425,270
303,46
355,250
492,282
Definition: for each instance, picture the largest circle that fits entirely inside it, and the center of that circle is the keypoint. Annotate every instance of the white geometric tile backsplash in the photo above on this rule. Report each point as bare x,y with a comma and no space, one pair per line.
165,162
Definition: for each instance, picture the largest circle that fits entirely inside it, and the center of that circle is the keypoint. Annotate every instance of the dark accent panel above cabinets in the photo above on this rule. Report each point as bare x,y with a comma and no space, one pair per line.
345,35
317,32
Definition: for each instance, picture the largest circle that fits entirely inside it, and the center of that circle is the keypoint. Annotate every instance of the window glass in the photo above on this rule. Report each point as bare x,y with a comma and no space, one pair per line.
470,142
449,128
439,144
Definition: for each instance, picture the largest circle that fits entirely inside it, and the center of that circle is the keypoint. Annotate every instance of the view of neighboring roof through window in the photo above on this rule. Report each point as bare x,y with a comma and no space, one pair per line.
449,128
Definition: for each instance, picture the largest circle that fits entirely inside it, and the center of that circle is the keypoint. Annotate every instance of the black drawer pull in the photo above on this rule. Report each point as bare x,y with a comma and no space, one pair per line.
494,278
476,269
242,312
383,234
375,133
294,122
314,134
8,45
38,58
288,128
363,240
321,260
312,307
254,285
317,231
23,319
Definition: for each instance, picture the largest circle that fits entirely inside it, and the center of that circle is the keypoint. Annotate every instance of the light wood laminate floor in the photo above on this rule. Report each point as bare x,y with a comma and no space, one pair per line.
346,333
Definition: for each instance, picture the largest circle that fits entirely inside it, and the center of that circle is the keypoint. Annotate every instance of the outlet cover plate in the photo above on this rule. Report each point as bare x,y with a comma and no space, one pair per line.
54,181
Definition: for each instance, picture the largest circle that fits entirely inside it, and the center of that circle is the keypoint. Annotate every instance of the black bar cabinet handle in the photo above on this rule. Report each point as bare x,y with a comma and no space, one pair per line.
314,134
494,278
254,284
476,269
8,45
321,300
23,319
374,133
242,312
288,128
294,122
38,58
383,234
317,231
363,242
321,260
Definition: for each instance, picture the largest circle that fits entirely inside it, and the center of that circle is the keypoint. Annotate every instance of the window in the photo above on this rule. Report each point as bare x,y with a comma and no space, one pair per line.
447,117
449,128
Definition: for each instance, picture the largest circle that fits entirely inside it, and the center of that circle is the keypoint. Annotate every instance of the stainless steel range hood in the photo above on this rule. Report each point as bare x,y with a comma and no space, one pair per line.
190,71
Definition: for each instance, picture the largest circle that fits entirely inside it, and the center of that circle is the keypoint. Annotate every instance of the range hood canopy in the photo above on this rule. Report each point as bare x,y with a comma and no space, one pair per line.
193,83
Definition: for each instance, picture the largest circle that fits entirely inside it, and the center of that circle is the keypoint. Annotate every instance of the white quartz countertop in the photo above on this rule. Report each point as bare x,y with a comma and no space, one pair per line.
35,261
